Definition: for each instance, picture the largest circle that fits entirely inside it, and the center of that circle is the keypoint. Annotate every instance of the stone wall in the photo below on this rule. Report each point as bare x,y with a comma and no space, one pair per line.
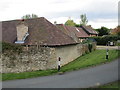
31,60
40,58
68,53
0,62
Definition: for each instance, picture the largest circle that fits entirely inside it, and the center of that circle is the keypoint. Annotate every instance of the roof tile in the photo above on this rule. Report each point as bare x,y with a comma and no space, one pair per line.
40,30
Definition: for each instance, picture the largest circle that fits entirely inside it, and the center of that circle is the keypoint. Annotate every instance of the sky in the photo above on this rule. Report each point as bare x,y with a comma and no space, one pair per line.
99,12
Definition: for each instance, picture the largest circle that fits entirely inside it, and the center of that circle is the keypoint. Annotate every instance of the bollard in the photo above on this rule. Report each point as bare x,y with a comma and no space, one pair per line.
59,64
107,54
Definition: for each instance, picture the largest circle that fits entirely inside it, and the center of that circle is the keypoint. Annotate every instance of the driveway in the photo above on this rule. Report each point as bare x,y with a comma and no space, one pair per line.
109,47
84,78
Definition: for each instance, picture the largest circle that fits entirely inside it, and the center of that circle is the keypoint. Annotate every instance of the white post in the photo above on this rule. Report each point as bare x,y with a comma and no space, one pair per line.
59,63
107,51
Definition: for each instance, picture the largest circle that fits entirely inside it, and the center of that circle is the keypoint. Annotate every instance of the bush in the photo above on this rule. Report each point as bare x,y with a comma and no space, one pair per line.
104,39
90,47
118,43
11,47
89,43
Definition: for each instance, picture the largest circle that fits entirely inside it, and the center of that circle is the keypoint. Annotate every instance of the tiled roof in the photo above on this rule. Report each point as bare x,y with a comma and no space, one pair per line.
40,30
89,29
115,30
79,32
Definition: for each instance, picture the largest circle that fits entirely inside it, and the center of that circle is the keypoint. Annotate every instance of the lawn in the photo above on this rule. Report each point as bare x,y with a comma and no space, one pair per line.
0,77
87,60
91,59
111,85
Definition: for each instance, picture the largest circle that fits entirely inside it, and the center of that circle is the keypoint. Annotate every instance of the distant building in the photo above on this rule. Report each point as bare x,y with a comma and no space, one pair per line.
89,30
115,30
78,34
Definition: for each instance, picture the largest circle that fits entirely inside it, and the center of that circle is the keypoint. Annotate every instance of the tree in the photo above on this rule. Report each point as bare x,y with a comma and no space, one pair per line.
103,31
70,23
83,20
77,25
28,16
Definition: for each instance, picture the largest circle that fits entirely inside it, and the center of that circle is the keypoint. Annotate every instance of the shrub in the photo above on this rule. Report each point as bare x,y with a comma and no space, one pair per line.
90,47
11,47
104,39
89,43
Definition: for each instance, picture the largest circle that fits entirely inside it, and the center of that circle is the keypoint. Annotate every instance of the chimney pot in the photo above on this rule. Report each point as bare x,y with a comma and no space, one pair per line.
23,20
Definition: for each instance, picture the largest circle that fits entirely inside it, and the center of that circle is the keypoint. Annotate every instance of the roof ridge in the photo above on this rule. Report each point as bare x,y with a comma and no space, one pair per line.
23,19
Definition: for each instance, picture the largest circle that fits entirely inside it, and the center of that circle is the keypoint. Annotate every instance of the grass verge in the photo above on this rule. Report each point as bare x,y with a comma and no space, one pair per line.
111,85
87,60
0,77
91,59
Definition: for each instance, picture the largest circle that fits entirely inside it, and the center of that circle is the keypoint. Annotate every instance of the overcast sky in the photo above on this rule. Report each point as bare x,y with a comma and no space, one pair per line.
99,12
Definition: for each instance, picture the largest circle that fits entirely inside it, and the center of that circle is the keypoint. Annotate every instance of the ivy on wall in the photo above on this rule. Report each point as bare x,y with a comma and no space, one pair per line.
11,47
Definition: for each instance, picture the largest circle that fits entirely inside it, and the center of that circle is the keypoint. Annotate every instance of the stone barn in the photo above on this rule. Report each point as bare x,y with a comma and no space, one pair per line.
43,44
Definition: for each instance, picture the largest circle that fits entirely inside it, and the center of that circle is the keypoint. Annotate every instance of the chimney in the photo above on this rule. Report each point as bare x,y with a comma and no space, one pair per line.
55,22
89,25
22,32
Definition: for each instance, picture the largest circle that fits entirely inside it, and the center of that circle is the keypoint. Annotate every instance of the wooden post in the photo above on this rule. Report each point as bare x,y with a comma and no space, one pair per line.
27,47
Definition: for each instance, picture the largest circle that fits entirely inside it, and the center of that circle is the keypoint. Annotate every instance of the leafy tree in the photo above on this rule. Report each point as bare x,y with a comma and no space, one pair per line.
83,20
103,31
70,23
77,25
28,16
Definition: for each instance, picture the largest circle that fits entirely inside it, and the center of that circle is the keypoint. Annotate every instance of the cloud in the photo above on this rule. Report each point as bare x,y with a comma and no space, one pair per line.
110,23
60,20
98,23
4,5
59,9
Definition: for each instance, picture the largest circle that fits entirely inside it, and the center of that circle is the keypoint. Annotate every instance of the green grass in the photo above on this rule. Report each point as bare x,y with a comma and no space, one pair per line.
111,85
91,59
0,77
24,75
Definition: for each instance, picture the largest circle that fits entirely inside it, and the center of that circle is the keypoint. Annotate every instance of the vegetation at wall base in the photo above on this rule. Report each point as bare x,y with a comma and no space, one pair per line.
87,60
0,77
90,47
91,59
111,85
89,43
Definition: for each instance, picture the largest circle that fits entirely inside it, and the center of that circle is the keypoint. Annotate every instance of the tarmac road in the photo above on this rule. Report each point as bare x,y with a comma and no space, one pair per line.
84,78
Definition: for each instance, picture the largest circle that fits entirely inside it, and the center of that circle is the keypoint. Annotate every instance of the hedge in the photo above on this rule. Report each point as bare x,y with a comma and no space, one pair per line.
104,39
